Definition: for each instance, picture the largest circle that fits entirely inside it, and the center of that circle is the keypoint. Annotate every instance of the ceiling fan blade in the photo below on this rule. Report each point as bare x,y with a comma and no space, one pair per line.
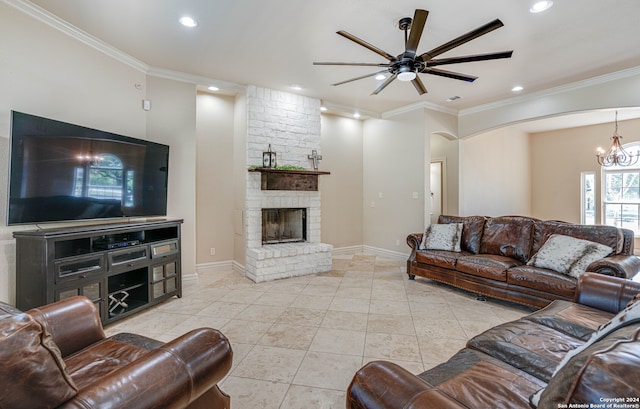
363,64
417,82
417,25
360,77
384,84
495,24
469,58
449,74
366,45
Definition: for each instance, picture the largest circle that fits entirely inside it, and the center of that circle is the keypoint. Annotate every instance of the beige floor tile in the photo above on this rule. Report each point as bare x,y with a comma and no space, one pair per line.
438,350
305,397
390,324
390,307
245,332
353,292
246,296
320,290
302,316
326,370
222,309
439,329
349,305
263,313
354,321
252,393
198,321
270,364
392,346
289,336
282,299
314,302
338,341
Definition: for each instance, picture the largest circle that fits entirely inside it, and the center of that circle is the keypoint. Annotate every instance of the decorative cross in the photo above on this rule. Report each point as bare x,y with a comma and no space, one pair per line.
316,158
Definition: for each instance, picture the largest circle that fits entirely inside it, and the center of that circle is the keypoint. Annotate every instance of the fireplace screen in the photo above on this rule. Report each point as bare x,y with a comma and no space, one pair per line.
284,225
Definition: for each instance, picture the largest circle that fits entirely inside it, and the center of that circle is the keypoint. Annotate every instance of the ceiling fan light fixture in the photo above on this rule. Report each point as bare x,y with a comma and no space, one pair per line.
380,77
406,74
188,21
540,6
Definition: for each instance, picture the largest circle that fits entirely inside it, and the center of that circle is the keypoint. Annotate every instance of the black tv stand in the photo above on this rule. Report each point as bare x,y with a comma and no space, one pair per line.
122,267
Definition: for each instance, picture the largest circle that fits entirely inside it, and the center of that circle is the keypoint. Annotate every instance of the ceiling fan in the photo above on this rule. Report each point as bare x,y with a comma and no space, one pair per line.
407,66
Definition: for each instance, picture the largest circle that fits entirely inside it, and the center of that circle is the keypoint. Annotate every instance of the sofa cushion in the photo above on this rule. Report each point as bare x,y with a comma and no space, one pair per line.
568,255
541,279
442,237
30,357
472,229
607,235
440,258
509,236
577,320
526,345
486,265
478,380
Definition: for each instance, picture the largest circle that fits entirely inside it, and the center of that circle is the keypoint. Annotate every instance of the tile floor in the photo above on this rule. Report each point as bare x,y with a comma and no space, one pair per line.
297,342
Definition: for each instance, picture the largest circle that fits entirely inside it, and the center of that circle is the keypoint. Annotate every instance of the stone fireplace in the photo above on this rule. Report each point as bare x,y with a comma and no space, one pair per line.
291,124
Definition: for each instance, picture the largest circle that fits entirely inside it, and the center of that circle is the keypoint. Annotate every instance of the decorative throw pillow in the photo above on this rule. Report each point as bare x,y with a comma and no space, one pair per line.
442,237
33,373
630,313
568,255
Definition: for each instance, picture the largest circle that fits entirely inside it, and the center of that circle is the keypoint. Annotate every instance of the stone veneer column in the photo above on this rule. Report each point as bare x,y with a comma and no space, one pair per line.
291,124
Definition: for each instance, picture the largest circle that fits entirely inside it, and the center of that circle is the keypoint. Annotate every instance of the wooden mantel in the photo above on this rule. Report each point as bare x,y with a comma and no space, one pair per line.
280,179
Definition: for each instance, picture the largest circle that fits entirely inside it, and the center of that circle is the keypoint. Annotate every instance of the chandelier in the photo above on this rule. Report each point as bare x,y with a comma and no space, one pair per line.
616,155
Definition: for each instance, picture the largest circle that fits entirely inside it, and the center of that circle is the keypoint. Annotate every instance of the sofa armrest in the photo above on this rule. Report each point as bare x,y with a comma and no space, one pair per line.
73,323
382,384
619,265
414,240
604,292
171,376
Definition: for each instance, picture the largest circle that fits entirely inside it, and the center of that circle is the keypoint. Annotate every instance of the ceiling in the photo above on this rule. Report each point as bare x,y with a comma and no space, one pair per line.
273,43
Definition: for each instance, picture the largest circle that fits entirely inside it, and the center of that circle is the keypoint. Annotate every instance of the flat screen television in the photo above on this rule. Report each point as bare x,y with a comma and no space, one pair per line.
61,172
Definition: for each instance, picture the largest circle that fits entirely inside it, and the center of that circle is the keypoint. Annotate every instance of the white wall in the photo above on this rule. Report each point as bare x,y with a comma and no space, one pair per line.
341,140
495,174
44,72
394,152
214,177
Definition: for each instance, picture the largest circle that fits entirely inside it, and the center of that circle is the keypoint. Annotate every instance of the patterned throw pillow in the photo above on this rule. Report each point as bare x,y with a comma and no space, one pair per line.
568,255
442,237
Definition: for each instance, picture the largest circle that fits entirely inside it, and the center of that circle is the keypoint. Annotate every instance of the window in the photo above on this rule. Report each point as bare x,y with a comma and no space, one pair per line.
102,177
588,195
621,195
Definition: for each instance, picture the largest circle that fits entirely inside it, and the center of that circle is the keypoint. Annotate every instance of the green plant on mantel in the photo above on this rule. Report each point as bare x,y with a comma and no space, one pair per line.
283,167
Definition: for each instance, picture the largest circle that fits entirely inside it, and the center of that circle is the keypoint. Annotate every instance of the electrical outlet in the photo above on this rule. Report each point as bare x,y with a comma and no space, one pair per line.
397,242
212,251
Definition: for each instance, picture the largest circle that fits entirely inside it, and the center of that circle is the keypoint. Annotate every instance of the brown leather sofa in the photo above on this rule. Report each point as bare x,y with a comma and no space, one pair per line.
495,250
57,356
504,366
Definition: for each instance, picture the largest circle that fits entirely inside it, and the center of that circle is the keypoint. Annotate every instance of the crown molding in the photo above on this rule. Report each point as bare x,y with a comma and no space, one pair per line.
196,79
54,21
589,82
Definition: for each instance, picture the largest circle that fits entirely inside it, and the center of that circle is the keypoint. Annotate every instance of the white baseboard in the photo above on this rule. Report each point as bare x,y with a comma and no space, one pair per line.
233,265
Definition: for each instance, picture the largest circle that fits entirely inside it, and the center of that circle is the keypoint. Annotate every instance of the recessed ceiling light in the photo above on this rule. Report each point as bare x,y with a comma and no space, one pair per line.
188,21
323,109
213,88
453,98
356,115
380,77
296,87
517,88
540,6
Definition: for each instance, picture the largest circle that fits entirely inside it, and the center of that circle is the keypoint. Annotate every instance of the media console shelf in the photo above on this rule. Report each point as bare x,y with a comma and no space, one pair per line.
123,268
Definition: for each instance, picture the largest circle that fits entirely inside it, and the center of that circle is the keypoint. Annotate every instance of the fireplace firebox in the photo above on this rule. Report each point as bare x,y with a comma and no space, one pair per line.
287,225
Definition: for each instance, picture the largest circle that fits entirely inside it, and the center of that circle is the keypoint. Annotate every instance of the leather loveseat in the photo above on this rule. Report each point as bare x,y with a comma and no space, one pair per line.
57,356
495,251
565,353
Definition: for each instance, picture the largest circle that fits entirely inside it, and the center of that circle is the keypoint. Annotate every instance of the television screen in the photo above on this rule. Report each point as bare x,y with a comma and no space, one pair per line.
60,171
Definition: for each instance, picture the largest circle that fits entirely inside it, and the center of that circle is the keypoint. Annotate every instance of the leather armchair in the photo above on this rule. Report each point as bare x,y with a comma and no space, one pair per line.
123,371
